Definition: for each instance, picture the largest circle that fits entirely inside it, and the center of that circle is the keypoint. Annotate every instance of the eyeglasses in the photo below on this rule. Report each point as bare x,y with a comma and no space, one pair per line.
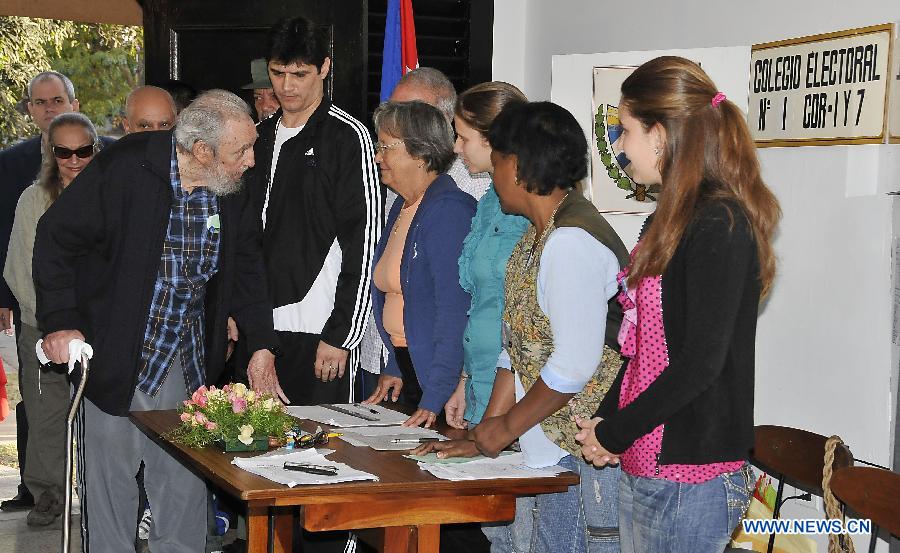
65,153
380,148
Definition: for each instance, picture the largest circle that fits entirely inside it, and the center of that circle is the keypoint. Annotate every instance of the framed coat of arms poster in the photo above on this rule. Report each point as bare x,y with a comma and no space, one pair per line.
613,189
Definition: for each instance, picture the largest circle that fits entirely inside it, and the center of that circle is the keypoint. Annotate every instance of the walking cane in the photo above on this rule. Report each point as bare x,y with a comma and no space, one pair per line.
78,351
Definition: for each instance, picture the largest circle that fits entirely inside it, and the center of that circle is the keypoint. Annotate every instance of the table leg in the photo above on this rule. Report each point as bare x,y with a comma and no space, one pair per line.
284,529
412,539
429,538
257,529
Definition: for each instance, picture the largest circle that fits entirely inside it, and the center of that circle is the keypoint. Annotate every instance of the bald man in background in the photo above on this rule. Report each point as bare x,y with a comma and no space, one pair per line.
149,108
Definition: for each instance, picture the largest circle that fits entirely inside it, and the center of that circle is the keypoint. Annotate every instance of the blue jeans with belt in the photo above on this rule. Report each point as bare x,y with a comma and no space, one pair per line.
583,519
661,516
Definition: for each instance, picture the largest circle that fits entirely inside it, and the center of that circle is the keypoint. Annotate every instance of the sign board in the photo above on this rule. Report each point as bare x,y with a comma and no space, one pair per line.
822,89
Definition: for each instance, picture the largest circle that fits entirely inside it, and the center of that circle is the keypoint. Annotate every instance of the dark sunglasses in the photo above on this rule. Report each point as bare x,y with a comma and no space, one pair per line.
65,153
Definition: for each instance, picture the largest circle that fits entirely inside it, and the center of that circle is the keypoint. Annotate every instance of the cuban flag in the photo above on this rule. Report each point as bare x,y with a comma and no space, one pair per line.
400,55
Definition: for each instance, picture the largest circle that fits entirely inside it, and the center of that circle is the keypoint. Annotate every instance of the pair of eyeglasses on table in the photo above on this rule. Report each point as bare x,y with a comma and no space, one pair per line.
317,438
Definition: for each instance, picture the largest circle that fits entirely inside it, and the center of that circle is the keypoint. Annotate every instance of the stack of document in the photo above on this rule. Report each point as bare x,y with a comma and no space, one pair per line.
343,415
390,438
271,465
484,468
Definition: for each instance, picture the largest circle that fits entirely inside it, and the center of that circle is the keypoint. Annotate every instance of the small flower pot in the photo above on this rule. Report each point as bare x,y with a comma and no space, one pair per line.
259,443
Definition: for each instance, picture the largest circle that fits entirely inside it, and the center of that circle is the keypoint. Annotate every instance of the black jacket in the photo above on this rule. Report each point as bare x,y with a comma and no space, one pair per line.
97,255
19,167
326,187
710,296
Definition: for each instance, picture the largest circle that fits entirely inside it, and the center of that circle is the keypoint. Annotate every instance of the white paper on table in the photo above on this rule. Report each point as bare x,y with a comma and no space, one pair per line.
270,465
318,413
379,437
507,466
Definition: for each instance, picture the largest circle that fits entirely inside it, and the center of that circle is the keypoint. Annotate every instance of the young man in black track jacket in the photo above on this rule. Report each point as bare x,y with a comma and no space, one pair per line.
317,191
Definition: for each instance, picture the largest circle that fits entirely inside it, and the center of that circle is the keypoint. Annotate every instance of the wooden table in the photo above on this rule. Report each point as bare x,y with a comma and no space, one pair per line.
407,505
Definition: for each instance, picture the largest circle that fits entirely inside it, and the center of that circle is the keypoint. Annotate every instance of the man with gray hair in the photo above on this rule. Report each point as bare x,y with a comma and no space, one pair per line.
429,85
125,260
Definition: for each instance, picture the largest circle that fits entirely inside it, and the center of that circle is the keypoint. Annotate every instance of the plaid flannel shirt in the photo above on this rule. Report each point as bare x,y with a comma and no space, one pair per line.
190,258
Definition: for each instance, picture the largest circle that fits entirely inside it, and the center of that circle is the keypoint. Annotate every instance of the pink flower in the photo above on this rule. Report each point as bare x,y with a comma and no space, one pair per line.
210,425
239,405
187,403
200,418
186,417
199,397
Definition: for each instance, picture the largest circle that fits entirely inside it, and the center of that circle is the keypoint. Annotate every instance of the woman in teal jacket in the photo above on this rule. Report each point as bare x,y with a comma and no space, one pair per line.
482,264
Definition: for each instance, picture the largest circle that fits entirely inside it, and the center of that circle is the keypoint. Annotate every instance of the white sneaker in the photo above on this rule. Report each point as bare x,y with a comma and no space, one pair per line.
144,525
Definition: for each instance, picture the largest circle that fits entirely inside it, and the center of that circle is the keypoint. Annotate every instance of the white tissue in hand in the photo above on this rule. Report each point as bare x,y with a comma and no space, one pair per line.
77,349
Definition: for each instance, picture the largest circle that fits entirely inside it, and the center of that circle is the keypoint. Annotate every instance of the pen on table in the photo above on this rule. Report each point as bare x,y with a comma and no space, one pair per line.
311,469
369,409
414,440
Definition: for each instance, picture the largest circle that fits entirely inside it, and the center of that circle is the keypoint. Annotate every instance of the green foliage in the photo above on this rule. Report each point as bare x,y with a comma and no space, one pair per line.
104,62
214,415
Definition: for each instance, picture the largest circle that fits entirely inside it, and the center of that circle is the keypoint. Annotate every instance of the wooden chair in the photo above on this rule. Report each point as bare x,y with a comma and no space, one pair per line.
873,493
795,457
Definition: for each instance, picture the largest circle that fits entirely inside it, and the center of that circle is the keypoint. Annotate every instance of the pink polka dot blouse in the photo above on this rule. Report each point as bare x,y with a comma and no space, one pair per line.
643,340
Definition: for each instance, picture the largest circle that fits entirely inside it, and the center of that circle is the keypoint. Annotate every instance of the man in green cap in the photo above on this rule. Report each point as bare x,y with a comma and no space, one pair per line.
264,99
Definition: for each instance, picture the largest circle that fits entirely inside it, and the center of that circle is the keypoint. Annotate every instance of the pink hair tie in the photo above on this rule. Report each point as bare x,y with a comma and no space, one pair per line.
718,99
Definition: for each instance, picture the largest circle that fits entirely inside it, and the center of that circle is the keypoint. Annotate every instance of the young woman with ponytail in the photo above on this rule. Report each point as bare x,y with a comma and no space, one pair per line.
679,417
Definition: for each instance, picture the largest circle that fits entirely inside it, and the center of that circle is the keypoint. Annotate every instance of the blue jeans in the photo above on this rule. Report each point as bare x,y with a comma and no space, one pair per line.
660,516
583,519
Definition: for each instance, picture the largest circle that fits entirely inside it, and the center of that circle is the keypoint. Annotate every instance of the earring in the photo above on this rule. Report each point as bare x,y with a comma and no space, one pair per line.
657,151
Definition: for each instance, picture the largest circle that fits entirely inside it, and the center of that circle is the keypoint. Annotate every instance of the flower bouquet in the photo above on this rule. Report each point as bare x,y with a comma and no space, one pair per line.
233,416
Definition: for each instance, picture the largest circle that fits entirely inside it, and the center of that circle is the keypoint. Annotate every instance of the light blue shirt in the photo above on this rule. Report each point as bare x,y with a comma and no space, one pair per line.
576,278
482,270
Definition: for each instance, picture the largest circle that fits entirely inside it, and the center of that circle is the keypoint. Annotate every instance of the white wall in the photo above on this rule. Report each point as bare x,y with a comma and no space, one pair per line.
825,361
522,52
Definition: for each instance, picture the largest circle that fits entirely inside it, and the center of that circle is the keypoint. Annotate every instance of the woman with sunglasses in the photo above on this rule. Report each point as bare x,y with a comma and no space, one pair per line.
71,144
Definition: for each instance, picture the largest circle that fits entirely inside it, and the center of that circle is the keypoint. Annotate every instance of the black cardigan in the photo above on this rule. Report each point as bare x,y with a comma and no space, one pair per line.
710,296
97,255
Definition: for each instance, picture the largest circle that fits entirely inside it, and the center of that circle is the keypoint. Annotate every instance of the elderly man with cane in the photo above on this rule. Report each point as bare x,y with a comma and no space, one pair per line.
145,257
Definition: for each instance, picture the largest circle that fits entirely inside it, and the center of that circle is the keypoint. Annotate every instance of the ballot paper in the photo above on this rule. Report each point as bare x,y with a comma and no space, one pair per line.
271,465
506,466
380,437
345,415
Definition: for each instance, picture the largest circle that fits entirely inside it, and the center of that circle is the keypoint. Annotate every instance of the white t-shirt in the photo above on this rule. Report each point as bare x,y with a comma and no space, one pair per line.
311,313
282,135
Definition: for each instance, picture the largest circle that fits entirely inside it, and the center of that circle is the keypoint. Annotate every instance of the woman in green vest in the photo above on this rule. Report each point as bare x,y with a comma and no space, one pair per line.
555,363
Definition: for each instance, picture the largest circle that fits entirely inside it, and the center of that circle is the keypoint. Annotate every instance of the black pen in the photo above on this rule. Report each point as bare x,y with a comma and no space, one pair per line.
369,409
311,469
414,440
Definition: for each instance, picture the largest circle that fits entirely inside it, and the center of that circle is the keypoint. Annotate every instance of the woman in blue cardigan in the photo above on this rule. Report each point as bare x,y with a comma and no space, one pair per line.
420,308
